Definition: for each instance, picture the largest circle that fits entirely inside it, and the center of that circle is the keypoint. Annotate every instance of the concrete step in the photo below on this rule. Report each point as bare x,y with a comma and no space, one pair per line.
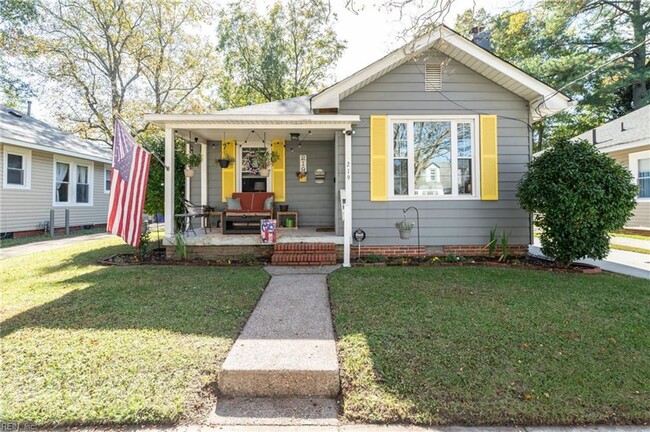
304,247
241,411
287,347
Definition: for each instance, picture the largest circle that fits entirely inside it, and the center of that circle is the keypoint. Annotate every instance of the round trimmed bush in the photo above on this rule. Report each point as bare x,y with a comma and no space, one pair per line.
578,195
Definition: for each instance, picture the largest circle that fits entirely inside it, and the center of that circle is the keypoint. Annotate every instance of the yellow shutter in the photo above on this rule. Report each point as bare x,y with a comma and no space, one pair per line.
378,158
279,171
228,178
489,158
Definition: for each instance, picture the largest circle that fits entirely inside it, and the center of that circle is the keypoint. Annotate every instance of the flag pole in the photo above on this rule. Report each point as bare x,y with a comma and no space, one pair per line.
135,134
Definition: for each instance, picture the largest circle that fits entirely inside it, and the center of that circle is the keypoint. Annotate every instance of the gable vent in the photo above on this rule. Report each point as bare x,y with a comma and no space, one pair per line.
432,77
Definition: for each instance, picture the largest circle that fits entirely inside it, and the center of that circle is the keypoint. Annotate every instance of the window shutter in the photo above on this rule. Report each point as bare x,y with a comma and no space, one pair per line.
279,171
489,159
228,178
378,158
432,77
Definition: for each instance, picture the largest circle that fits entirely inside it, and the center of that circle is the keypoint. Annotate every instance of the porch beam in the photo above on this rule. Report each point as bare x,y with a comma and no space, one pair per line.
228,126
204,178
347,222
169,182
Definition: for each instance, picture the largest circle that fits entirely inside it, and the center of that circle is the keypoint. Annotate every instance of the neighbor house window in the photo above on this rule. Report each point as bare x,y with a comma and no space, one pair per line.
643,178
72,183
17,164
433,157
639,164
107,179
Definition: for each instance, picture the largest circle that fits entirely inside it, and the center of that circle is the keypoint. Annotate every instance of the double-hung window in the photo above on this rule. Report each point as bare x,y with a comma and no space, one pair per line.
639,163
433,157
107,179
17,167
72,183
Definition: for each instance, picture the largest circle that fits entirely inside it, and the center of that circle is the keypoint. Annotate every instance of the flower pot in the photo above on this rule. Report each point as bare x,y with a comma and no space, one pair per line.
405,234
189,172
289,223
264,172
223,163
283,207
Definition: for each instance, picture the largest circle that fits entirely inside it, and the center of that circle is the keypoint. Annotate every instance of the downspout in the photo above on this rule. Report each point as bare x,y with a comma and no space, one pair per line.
531,229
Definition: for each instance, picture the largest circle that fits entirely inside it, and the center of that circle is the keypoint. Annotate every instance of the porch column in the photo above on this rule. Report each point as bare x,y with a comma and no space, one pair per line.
347,210
204,178
169,182
188,180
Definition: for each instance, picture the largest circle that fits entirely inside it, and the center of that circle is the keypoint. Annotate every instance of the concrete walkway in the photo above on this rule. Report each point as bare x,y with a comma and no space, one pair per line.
47,245
287,348
618,261
632,242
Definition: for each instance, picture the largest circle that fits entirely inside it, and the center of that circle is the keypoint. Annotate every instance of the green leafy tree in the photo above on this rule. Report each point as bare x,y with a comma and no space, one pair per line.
578,195
288,51
154,202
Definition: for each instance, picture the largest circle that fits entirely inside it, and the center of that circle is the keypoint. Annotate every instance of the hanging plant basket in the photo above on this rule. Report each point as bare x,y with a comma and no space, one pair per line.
405,234
223,163
189,172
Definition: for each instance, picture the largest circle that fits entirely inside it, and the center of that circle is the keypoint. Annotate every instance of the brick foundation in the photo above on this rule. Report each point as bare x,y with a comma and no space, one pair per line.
224,252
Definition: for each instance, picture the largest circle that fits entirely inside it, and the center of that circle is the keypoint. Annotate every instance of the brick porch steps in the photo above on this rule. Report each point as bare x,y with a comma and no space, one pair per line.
303,254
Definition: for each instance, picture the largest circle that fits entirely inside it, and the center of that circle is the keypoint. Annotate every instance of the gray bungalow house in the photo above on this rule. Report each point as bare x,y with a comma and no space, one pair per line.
440,124
44,168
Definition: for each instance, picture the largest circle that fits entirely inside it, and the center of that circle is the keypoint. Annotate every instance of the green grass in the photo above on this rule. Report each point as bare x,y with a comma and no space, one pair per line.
44,237
632,236
488,346
85,344
629,248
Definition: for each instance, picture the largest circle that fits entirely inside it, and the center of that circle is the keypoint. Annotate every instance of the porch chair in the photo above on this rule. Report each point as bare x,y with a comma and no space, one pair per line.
192,211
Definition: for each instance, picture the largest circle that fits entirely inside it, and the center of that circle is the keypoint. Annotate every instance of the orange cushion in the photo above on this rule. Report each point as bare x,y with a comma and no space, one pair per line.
252,201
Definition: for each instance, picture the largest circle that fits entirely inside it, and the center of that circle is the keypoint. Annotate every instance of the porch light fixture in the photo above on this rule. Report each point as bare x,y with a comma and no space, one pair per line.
295,138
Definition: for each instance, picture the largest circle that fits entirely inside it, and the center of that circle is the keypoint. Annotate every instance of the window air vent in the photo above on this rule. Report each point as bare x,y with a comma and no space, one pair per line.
432,77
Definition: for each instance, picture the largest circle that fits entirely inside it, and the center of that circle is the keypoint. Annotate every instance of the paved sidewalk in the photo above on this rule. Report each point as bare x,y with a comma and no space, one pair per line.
47,245
632,242
618,261
374,428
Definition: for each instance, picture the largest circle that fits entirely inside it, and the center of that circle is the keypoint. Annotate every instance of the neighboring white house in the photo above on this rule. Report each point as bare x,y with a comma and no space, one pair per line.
44,168
627,140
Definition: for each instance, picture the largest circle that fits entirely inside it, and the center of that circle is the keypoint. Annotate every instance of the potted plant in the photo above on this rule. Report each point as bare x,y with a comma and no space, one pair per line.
264,159
225,160
404,227
189,160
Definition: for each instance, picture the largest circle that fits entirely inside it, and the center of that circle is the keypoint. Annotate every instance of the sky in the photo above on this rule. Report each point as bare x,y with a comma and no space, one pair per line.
371,34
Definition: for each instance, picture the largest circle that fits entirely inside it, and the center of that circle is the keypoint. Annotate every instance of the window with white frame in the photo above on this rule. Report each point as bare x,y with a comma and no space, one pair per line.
72,183
639,163
433,157
17,168
643,178
107,179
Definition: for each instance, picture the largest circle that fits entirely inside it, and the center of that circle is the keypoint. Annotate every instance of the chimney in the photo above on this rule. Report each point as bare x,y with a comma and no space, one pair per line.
481,37
29,108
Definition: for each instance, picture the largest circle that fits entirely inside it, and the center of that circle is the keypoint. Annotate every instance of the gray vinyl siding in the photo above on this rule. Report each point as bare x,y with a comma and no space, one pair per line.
641,216
448,222
314,202
25,209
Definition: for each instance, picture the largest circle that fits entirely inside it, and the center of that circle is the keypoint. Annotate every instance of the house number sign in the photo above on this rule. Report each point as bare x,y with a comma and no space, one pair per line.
303,164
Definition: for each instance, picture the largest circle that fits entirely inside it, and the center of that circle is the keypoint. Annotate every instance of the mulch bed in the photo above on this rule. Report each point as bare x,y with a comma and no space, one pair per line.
158,257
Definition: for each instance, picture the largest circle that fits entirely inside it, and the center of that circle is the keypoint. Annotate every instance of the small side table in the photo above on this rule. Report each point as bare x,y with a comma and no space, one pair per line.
283,216
213,216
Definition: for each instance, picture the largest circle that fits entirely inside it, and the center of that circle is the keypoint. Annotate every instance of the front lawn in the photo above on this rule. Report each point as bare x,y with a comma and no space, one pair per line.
85,344
477,345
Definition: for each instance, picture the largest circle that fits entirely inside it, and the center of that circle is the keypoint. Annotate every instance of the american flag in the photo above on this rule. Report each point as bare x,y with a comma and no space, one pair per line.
129,177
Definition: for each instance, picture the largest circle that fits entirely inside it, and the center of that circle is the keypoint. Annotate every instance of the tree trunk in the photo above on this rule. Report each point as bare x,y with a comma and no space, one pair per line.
639,87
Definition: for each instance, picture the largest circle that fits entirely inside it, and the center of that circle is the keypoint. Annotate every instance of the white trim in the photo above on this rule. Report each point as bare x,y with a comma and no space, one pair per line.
609,148
282,120
204,178
347,219
188,180
54,150
330,97
170,160
633,166
72,183
107,167
27,167
475,165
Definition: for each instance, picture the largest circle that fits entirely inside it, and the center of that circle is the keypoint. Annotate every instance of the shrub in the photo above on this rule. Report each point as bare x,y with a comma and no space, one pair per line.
577,195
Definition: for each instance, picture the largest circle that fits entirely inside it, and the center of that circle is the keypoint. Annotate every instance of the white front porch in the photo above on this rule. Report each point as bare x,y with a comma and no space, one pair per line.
241,130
